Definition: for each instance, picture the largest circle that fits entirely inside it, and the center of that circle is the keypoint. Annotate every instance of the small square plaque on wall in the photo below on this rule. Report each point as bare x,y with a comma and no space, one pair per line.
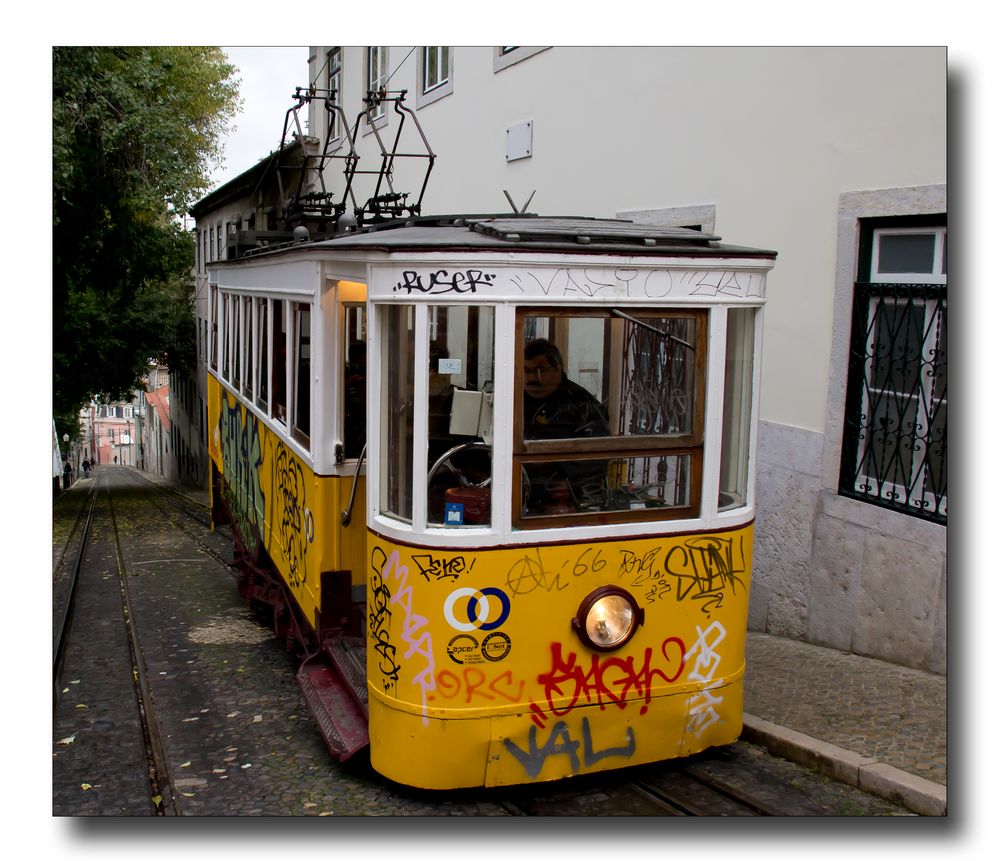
519,140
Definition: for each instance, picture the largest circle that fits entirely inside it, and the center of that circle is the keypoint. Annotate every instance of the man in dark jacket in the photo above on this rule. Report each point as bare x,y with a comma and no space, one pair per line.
557,408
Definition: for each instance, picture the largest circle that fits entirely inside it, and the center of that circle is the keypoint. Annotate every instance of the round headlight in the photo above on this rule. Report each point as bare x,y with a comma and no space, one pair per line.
607,618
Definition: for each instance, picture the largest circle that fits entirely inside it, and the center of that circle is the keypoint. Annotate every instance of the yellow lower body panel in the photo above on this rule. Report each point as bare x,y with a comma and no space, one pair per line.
447,750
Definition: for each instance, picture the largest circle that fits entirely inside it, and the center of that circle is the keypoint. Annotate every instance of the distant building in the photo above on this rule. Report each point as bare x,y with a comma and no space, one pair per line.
157,444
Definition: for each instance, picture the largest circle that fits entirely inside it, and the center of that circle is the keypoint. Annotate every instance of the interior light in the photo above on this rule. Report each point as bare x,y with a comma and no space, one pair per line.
607,618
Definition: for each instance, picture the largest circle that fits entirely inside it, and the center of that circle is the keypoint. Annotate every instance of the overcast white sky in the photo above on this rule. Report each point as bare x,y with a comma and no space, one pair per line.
268,78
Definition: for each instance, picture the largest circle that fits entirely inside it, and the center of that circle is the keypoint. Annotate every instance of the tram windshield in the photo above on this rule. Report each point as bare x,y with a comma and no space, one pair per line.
606,424
612,412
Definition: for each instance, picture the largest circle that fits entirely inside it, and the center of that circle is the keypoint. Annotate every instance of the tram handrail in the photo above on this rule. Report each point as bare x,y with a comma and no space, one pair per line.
345,516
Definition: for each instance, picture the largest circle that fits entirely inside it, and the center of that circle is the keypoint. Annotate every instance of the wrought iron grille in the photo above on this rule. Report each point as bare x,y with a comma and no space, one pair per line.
658,393
896,421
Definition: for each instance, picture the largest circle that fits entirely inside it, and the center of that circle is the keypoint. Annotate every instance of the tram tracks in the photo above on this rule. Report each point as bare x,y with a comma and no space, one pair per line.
674,792
104,652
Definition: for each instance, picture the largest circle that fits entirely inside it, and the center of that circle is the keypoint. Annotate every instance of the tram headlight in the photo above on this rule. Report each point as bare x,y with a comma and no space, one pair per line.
607,618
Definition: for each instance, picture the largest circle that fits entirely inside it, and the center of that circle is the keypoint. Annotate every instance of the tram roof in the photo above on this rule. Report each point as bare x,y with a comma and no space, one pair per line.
524,233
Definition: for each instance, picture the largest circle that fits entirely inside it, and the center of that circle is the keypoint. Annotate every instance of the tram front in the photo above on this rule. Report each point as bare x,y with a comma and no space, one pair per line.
561,433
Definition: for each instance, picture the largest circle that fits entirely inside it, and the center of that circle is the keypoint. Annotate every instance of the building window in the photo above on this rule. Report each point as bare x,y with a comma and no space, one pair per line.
507,56
435,75
896,419
218,242
335,82
377,75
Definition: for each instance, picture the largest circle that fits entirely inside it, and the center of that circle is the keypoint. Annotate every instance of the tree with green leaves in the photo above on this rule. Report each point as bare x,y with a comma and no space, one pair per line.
136,132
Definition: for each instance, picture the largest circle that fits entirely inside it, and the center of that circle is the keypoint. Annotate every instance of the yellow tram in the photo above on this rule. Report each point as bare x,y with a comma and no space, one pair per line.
494,476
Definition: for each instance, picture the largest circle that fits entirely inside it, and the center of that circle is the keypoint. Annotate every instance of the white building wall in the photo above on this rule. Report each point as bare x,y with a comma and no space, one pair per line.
780,148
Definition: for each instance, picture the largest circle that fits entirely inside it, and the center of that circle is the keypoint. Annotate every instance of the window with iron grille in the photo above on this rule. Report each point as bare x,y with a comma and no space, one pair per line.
896,418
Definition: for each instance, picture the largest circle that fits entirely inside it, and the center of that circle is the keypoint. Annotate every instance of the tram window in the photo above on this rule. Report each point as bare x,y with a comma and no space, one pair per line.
226,336
301,373
610,424
459,415
735,462
214,313
237,326
355,380
261,348
247,367
396,409
279,350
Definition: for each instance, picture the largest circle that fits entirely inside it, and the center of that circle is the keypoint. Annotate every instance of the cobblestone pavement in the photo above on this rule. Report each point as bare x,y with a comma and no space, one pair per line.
895,714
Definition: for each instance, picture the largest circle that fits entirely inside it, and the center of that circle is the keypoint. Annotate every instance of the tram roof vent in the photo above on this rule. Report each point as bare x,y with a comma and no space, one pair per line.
587,231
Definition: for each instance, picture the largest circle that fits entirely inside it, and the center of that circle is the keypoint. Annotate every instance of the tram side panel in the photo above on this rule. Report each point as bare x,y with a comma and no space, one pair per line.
474,651
283,512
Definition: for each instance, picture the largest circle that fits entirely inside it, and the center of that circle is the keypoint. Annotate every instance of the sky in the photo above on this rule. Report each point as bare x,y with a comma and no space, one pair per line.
268,78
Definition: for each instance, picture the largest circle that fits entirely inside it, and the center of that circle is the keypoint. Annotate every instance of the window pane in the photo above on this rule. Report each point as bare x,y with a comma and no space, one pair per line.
587,485
460,386
603,375
279,350
889,457
556,406
378,60
301,373
396,408
214,311
336,84
355,381
262,350
735,466
906,252
430,67
899,345
226,336
247,370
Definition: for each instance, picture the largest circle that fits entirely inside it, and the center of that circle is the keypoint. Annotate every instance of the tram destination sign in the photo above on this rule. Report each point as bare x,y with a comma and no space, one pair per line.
705,283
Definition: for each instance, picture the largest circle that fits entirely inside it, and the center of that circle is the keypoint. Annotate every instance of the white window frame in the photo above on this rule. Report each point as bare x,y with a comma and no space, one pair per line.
379,54
937,275
445,85
335,82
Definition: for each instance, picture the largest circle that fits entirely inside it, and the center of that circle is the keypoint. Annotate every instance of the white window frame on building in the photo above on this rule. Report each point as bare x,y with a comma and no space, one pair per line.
435,74
376,77
335,83
895,425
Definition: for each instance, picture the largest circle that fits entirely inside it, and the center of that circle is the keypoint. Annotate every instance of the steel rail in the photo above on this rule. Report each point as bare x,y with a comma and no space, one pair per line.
86,515
156,760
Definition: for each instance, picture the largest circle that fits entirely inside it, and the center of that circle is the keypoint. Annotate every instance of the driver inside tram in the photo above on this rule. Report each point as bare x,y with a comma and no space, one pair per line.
557,408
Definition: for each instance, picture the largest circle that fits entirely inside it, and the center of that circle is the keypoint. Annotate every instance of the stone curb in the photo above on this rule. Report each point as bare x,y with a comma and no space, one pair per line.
869,775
